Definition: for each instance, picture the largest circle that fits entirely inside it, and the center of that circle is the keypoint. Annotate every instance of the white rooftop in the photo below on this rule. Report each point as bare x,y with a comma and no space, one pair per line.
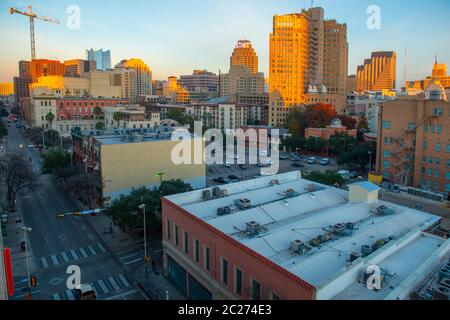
312,212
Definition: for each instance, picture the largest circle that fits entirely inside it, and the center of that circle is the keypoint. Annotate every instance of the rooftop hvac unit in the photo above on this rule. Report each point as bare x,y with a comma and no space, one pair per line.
445,283
253,228
366,250
444,273
441,293
224,193
243,203
384,211
354,256
275,182
217,192
224,211
206,195
291,193
298,247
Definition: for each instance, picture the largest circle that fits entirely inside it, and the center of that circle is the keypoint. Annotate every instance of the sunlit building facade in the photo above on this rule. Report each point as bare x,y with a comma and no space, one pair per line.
245,55
143,75
378,73
44,68
439,73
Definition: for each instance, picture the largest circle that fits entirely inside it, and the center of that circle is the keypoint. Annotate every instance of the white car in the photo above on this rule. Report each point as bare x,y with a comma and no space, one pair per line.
227,165
312,160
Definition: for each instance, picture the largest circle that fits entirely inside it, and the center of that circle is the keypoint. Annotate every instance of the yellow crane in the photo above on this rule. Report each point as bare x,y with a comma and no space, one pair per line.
32,16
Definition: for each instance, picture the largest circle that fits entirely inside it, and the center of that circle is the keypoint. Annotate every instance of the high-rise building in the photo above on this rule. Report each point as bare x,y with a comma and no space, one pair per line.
24,68
378,73
43,68
439,72
244,55
241,81
413,146
335,67
308,56
102,58
174,90
201,84
127,80
78,67
143,75
6,88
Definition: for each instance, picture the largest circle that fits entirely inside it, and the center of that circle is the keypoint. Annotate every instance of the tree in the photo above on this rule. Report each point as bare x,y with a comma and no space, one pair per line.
86,186
328,178
54,161
358,157
363,123
340,143
319,115
17,174
347,121
100,126
294,142
3,130
50,117
314,144
98,112
3,112
295,122
117,117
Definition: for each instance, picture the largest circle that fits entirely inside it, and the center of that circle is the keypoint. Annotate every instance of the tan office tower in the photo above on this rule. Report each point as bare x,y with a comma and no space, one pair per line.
244,55
378,73
316,46
335,66
288,65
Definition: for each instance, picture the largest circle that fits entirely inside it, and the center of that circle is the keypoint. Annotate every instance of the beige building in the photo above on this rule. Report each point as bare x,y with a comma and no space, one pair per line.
143,75
308,55
244,55
175,91
378,73
439,72
241,81
130,160
414,141
78,67
131,117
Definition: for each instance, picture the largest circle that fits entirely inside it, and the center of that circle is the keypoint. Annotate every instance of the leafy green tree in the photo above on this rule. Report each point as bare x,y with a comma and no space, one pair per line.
340,143
3,113
328,178
294,142
50,117
54,161
314,144
98,112
99,126
3,130
117,117
358,157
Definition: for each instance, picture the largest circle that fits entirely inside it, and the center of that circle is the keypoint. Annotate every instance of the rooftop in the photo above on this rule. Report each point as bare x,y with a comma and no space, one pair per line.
287,209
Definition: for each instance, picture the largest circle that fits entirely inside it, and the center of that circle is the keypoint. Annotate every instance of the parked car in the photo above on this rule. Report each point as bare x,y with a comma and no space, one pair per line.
243,167
227,165
345,174
221,180
283,157
298,165
325,162
312,160
296,159
233,178
353,175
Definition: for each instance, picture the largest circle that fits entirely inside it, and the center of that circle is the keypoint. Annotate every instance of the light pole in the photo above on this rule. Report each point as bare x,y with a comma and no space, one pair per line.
26,230
160,175
142,206
370,153
43,139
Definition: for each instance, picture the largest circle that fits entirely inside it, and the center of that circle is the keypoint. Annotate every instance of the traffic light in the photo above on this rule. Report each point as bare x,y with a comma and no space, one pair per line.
33,281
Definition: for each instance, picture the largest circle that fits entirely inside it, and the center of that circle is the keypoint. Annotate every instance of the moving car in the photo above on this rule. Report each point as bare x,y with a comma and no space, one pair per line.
325,162
233,178
221,180
312,160
298,165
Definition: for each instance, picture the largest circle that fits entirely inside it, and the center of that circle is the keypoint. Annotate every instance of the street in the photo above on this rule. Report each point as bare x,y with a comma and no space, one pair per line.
55,244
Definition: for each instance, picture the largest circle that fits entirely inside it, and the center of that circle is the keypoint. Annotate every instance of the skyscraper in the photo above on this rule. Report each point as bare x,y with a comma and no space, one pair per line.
378,73
143,75
244,55
43,68
308,62
102,58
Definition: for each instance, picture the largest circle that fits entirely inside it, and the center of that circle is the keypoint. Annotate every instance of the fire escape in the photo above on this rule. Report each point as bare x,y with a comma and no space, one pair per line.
405,153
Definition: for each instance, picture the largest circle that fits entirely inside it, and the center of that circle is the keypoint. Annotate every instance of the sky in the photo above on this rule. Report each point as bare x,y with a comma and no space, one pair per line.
176,36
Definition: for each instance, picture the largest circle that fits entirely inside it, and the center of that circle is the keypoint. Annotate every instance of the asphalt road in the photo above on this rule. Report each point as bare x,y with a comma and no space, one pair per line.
56,244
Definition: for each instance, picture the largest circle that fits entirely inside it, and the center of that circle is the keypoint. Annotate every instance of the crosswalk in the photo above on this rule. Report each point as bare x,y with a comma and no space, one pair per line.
72,255
104,288
131,257
21,289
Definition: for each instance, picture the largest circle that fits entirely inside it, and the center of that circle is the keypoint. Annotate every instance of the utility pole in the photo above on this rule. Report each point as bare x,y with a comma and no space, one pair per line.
142,206
27,230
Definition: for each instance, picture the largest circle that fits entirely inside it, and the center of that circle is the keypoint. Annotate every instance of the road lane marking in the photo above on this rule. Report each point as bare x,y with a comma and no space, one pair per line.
133,261
124,280
74,255
70,295
129,256
56,296
83,252
92,251
65,257
101,248
123,295
103,286
114,283
44,263
54,260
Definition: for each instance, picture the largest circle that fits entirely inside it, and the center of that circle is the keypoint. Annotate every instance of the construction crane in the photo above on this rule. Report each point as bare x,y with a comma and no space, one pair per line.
32,16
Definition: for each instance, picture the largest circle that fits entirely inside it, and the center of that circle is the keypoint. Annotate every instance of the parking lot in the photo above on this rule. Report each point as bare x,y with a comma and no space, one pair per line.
253,171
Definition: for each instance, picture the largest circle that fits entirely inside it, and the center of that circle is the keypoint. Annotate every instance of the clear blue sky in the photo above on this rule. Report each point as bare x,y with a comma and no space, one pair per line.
176,36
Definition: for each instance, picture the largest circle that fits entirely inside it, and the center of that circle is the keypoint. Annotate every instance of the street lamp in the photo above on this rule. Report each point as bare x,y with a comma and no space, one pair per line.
160,175
370,153
142,206
26,230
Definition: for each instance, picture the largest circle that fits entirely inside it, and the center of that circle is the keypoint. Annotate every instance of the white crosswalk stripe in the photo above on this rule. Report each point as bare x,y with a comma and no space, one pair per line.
124,280
102,249
74,254
44,263
56,296
70,295
54,260
113,282
83,252
92,251
65,257
103,286
71,255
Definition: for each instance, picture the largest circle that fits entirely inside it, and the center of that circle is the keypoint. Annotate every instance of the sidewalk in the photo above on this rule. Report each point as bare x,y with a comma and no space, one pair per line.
156,285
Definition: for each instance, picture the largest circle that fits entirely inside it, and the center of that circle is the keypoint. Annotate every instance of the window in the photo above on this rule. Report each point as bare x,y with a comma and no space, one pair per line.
387,154
197,251
424,145
436,184
168,230
430,172
176,236
186,242
439,129
436,173
447,163
447,187
386,164
386,124
438,112
411,126
207,259
447,175
438,161
224,271
256,290
447,148
438,147
238,281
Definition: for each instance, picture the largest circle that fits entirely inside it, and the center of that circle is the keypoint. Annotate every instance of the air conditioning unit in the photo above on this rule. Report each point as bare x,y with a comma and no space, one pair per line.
224,193
206,195
275,182
298,247
217,192
243,203
253,228
224,211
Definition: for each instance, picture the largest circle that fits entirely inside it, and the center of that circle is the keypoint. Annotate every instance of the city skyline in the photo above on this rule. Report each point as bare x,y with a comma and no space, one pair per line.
172,52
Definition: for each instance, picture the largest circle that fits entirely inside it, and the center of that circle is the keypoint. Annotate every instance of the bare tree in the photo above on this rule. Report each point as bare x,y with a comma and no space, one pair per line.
17,174
86,186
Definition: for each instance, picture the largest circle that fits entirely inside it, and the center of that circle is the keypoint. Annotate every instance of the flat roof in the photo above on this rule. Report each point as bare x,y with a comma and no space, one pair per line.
311,210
